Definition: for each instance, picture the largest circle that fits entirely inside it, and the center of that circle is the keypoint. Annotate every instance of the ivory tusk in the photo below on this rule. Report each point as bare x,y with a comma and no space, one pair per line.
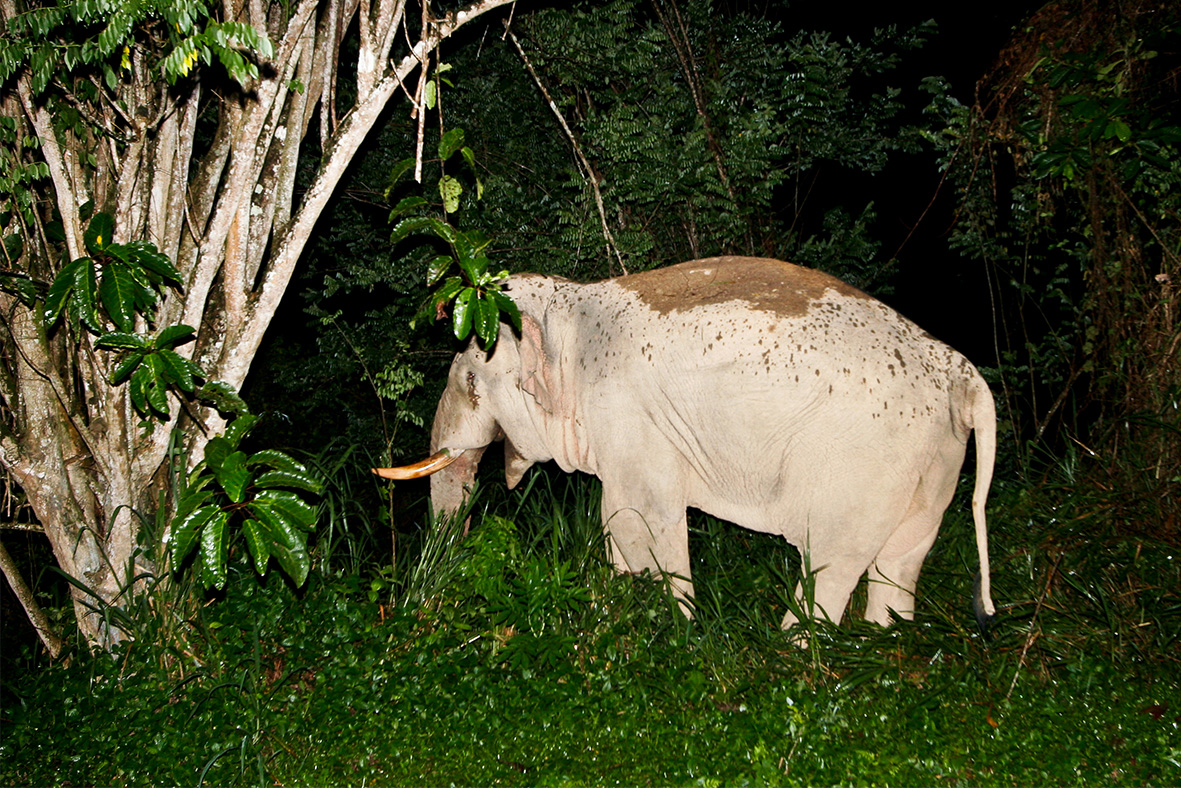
436,462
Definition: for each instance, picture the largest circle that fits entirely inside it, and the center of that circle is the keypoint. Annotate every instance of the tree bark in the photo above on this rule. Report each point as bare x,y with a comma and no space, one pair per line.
235,231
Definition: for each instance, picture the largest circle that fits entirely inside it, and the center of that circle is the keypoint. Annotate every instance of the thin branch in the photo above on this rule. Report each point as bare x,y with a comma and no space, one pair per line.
591,177
28,601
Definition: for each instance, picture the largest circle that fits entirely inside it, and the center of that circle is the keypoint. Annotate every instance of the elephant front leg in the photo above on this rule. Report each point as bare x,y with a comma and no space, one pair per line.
649,539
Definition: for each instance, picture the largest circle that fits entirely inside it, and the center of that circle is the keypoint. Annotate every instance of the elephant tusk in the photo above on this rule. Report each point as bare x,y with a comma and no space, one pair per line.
436,462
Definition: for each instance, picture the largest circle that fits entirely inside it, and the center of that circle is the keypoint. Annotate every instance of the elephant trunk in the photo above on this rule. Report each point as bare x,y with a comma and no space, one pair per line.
450,485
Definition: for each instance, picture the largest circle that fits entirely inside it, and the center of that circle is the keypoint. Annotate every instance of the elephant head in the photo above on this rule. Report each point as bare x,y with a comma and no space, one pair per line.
767,394
508,393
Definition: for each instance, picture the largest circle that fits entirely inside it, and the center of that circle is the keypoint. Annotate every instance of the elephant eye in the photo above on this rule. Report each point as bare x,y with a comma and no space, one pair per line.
471,389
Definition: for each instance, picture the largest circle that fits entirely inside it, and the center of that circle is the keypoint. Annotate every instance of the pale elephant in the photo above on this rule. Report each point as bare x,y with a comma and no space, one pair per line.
766,394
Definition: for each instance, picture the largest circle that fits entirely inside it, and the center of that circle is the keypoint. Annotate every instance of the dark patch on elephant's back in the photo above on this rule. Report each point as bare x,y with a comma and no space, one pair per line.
767,285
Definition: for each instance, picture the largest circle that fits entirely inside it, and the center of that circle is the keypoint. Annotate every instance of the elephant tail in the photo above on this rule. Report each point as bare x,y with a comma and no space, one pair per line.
981,413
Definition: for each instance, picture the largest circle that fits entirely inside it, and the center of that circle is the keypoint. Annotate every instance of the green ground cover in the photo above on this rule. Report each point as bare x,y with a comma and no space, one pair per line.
516,657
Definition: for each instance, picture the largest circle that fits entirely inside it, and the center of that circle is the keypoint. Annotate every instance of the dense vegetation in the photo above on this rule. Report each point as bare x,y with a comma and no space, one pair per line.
516,656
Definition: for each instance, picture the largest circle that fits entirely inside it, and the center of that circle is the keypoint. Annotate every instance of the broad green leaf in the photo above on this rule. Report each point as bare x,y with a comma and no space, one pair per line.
121,340
84,296
178,371
171,336
216,452
59,290
287,479
438,267
157,388
450,190
451,141
118,292
233,476
430,94
224,397
185,530
462,317
237,429
487,320
407,204
277,460
398,172
192,500
287,542
508,309
99,233
213,551
476,268
138,388
147,257
290,506
126,367
257,540
421,224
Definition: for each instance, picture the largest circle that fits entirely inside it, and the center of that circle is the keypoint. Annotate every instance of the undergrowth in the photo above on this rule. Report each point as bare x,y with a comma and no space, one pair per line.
516,656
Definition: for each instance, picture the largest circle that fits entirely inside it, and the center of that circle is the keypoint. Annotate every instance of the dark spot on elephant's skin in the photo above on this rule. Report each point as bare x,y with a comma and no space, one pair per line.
767,285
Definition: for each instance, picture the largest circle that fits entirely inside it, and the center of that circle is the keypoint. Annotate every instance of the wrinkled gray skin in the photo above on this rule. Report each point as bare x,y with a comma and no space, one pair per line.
769,395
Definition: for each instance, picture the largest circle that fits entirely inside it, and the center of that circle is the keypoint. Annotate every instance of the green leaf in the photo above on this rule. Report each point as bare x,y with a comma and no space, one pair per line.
237,429
99,233
147,257
450,190
118,294
224,397
213,551
186,528
287,479
177,370
462,317
233,476
121,340
257,540
507,308
420,224
83,301
487,320
157,386
59,290
450,142
438,267
286,542
407,204
290,506
171,336
138,390
126,367
398,172
216,452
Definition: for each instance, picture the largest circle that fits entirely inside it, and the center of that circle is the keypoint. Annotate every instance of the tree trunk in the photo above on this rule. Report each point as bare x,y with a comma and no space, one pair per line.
235,230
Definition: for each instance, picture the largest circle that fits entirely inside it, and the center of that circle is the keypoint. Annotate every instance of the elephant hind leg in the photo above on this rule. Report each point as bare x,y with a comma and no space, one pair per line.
894,574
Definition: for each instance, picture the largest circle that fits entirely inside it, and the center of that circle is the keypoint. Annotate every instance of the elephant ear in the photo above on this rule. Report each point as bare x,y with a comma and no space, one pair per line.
536,366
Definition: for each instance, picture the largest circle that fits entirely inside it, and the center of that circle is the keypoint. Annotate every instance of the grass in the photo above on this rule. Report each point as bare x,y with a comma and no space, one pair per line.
517,657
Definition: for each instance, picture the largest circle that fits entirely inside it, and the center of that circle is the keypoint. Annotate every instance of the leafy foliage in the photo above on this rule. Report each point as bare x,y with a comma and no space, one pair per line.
257,490
1078,226
96,37
334,684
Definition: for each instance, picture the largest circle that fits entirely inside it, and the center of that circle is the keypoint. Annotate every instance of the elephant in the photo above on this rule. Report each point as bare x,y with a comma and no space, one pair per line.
764,393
